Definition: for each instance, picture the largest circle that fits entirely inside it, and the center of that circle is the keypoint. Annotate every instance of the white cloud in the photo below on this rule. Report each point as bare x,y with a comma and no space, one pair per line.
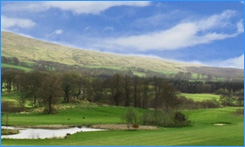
55,33
7,22
240,26
77,7
87,28
237,62
185,34
58,32
109,28
242,2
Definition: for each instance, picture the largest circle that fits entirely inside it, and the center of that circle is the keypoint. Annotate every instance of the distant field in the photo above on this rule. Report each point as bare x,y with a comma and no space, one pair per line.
13,98
15,66
201,97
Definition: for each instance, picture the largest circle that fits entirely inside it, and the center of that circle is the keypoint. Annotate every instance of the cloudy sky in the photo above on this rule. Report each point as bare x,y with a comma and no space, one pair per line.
209,33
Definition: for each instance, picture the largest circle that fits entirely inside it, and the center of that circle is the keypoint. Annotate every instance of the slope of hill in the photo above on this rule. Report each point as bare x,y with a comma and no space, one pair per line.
29,50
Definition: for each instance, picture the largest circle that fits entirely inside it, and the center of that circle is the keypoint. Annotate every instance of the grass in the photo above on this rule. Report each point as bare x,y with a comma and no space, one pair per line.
72,116
201,97
15,67
9,132
203,132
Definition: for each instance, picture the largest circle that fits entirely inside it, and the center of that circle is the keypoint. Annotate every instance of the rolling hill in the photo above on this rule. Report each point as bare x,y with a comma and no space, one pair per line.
29,50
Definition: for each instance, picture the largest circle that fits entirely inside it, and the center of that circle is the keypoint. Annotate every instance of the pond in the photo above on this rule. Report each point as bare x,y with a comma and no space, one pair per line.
34,133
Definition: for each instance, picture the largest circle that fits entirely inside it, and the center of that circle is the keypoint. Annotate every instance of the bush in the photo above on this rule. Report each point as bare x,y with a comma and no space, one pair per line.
130,116
165,119
46,110
9,107
240,111
180,120
135,125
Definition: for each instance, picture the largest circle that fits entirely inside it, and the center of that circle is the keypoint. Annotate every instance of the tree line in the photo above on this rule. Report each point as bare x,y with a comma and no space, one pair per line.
49,88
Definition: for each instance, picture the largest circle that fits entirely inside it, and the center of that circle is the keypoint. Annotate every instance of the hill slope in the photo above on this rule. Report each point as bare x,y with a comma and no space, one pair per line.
30,50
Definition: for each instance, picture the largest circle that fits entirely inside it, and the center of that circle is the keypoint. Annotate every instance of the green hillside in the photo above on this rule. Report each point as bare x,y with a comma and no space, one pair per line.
15,67
29,50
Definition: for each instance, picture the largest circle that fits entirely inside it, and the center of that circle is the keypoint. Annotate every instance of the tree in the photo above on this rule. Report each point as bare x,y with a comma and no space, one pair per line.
126,90
136,91
130,117
70,85
240,97
50,91
168,98
116,88
157,87
30,83
96,90
145,93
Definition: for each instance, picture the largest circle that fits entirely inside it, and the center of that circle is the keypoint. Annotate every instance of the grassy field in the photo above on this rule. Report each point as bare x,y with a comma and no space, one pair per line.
16,67
201,97
203,131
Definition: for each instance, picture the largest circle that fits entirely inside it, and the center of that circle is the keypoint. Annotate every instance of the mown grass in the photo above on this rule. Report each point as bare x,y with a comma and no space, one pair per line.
72,116
15,67
203,132
201,96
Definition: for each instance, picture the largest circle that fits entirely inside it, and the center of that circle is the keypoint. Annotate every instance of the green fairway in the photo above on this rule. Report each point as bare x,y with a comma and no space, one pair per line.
203,131
72,116
15,67
201,96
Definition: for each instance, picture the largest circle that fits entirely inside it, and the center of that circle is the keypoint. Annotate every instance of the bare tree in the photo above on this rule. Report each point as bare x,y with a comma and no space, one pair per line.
50,91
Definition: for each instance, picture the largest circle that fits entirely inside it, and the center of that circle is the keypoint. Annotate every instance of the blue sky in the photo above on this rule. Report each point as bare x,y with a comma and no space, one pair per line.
210,33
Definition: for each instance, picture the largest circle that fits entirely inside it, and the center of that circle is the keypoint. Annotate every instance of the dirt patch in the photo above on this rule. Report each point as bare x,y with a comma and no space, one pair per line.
46,126
122,127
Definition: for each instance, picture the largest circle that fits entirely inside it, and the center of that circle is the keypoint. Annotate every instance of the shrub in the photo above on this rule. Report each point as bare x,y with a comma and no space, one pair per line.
180,120
130,116
165,119
10,107
135,125
240,111
46,110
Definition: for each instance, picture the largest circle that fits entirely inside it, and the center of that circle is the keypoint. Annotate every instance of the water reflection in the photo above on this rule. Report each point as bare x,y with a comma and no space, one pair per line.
34,133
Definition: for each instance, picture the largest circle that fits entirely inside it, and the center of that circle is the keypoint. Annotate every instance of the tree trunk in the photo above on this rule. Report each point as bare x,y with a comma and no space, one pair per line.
35,102
50,106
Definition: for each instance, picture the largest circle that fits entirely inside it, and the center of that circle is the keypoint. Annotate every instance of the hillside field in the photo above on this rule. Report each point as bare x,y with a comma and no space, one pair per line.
33,51
15,67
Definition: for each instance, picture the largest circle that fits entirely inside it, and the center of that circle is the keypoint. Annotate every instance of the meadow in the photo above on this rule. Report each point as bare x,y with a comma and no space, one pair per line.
201,96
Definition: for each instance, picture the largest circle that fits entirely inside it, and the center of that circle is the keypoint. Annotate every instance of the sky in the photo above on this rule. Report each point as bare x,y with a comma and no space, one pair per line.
209,33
